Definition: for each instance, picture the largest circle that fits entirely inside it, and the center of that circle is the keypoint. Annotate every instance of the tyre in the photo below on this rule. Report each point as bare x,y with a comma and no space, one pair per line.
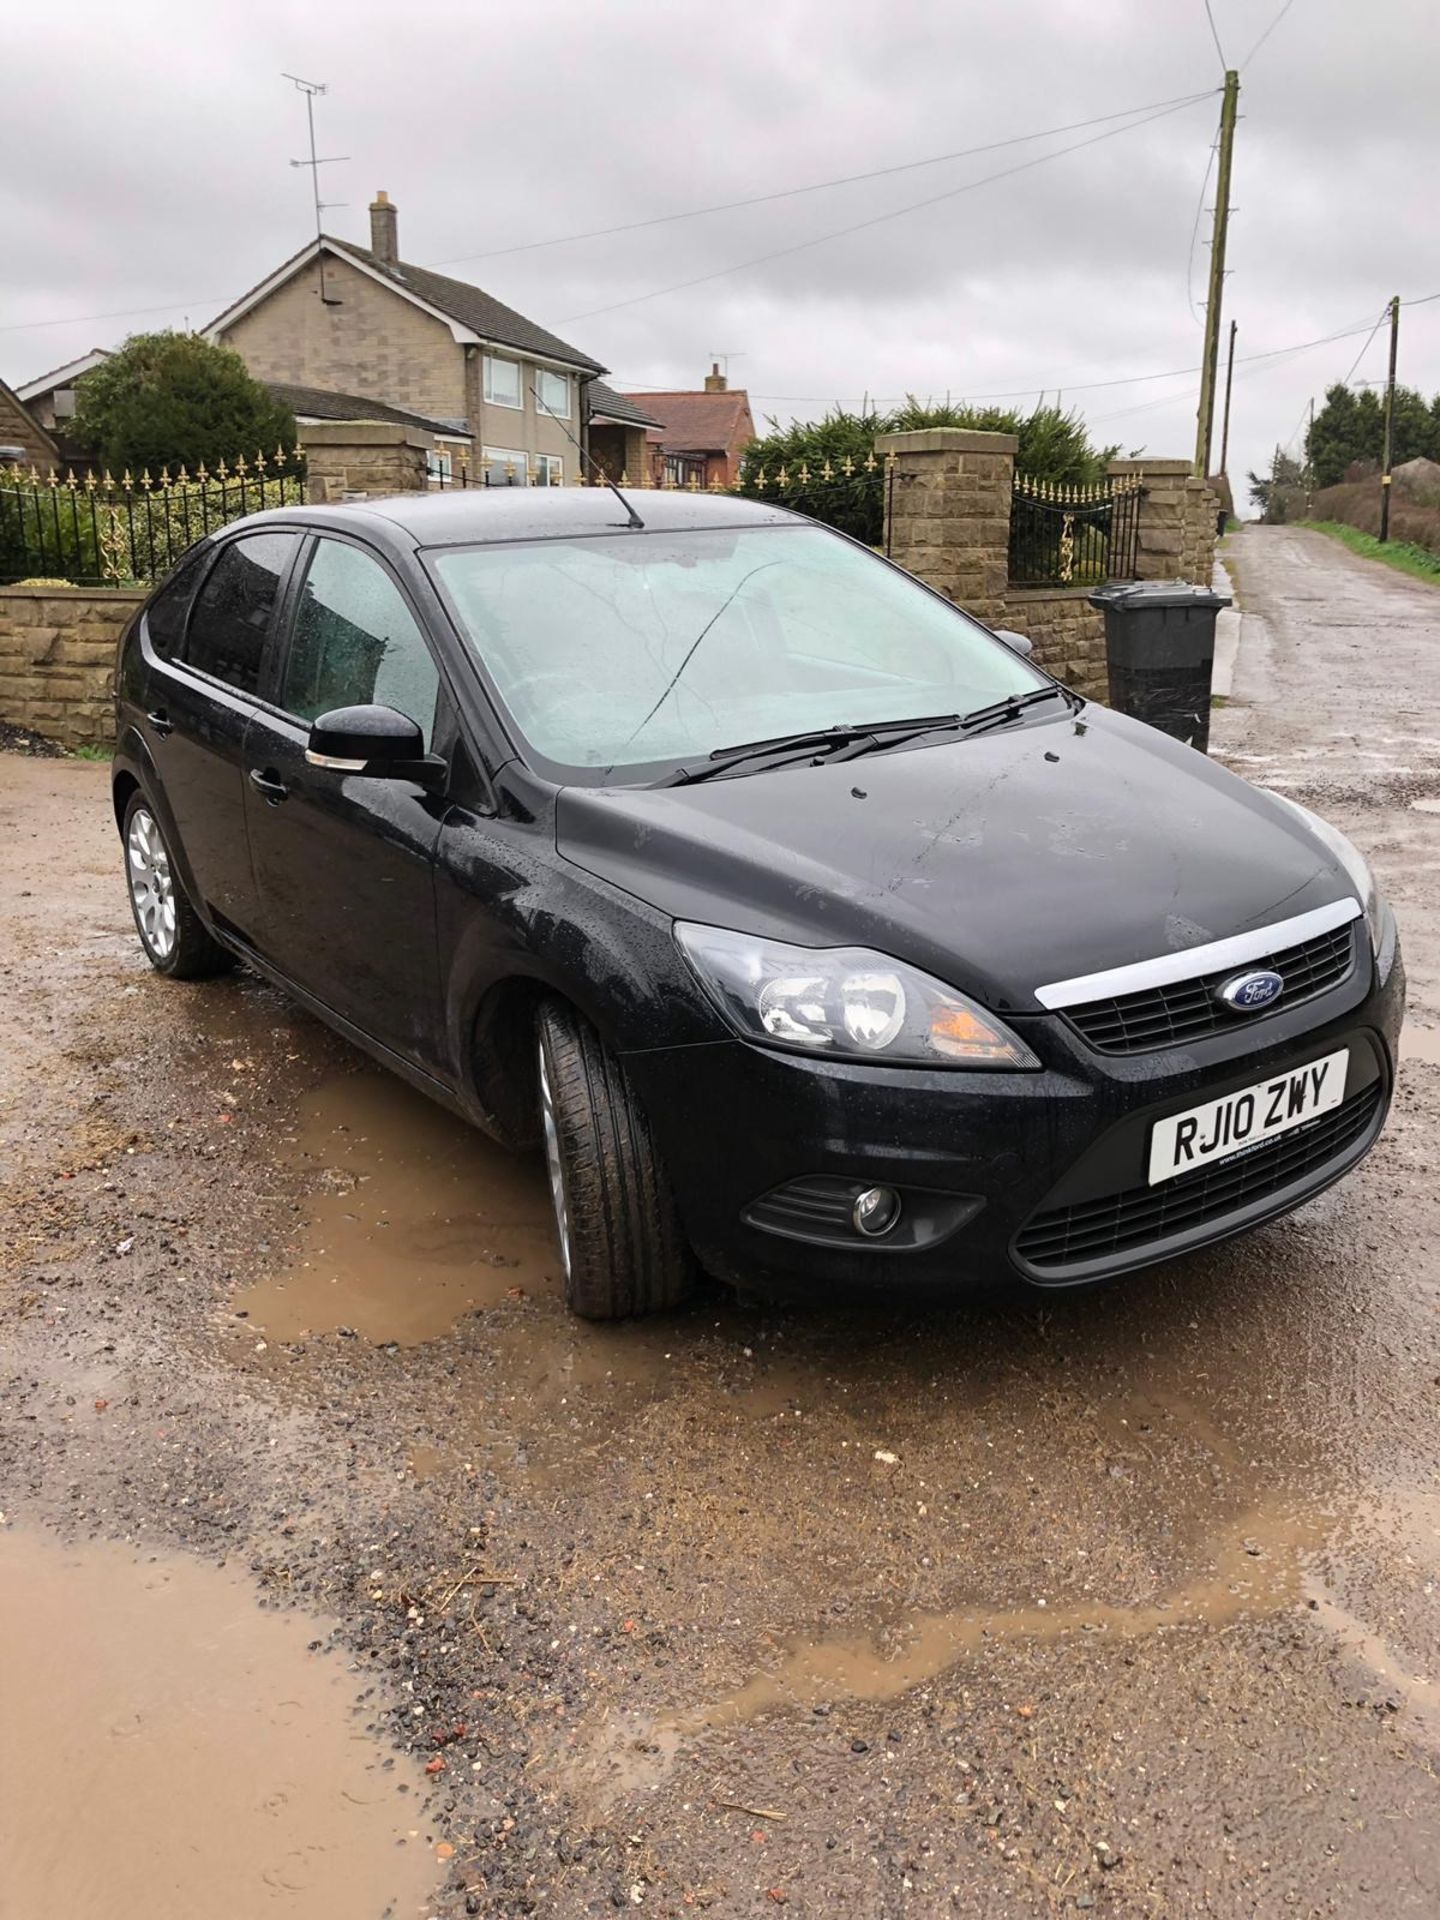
171,932
621,1242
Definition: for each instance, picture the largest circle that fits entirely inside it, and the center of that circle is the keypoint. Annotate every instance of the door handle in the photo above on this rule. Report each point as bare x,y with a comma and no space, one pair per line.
273,788
161,721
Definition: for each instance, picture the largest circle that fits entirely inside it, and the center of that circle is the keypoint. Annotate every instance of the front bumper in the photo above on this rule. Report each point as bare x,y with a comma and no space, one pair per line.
1056,1160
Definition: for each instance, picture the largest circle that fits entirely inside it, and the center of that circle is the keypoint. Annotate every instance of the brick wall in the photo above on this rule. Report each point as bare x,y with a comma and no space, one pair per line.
373,342
57,654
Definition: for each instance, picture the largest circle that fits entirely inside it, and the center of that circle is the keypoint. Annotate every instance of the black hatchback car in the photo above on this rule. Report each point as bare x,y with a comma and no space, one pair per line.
815,933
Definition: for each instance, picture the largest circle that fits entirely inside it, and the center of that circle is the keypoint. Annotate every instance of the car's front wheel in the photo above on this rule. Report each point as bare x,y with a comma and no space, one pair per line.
171,932
621,1243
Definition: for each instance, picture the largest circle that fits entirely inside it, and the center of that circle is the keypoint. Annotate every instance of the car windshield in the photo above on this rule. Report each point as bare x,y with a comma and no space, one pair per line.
621,651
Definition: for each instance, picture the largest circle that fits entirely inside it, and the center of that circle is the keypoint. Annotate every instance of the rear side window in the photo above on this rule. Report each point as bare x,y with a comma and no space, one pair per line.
235,608
356,643
165,616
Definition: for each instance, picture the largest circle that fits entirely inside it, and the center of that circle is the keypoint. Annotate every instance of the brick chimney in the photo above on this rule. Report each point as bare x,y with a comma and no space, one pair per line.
715,381
384,230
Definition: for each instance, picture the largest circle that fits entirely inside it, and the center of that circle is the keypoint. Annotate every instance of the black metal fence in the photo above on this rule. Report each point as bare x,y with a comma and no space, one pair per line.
1075,536
107,532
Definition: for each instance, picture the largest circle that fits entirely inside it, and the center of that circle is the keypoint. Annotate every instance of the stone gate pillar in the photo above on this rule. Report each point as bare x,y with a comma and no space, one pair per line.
355,459
1177,520
947,511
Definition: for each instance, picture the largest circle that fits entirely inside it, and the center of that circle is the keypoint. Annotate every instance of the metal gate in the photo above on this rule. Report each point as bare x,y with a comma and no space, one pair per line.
1073,536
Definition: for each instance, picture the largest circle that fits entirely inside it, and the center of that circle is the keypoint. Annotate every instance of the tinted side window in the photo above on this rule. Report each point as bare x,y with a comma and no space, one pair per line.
355,642
234,609
165,616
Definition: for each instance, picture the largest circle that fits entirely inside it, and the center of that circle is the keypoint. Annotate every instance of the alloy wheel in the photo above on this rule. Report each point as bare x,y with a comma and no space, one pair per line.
152,886
552,1161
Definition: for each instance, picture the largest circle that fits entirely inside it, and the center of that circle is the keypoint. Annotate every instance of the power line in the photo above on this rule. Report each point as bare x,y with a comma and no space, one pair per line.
694,213
1266,34
819,186
1215,36
1195,230
859,226
1062,384
1384,312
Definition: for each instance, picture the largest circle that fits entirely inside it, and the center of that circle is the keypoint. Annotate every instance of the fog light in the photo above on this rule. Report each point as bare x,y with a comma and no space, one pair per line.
875,1211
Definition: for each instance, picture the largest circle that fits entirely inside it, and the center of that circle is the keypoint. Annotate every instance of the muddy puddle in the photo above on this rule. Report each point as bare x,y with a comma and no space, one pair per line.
413,1220
1257,1567
169,1748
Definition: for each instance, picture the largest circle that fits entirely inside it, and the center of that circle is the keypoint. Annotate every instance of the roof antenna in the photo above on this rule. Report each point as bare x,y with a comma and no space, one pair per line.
594,465
310,88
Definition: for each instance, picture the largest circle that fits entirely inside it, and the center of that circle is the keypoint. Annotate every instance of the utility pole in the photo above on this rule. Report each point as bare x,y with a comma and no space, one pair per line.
1210,362
1389,420
1225,423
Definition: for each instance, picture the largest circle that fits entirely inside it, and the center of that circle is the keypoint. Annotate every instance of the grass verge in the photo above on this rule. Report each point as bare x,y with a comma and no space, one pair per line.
1401,554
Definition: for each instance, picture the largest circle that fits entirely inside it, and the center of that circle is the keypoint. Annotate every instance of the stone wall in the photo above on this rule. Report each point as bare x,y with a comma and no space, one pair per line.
1177,520
947,520
57,656
349,458
1068,634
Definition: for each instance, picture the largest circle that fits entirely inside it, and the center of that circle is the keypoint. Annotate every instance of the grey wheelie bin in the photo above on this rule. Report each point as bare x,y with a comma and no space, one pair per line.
1160,647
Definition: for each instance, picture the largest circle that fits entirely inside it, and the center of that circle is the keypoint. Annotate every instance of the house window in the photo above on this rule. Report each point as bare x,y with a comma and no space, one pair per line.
554,394
439,469
549,470
682,471
502,382
505,467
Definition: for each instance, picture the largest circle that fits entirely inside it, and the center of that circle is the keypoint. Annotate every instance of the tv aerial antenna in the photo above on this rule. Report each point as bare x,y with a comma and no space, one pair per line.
310,88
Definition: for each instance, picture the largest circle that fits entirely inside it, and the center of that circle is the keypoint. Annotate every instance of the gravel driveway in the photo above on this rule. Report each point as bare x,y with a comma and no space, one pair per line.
1122,1601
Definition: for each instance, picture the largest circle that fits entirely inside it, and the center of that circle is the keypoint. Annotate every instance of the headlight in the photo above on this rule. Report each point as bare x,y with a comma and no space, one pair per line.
845,1002
1357,867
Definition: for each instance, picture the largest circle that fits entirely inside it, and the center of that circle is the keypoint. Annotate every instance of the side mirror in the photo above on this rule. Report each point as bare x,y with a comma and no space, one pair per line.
1017,642
376,741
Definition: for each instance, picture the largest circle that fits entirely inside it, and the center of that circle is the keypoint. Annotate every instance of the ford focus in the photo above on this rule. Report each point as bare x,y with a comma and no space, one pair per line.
813,933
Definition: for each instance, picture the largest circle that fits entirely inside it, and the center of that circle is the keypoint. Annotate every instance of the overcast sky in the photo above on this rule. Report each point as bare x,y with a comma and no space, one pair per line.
144,164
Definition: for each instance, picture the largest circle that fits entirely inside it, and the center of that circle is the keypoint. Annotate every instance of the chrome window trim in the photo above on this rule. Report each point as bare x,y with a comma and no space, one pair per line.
1167,969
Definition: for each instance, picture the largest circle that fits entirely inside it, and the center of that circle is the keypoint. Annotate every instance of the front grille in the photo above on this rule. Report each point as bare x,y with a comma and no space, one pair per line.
1165,1016
1124,1223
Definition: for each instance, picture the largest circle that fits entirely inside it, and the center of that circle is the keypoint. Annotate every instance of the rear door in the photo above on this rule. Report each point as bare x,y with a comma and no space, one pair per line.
200,695
344,863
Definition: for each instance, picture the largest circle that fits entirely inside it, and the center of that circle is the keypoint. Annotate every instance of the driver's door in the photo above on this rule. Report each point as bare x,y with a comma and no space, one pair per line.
344,863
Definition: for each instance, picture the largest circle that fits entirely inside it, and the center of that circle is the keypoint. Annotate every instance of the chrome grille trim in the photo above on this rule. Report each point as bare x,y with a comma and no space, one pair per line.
1168,969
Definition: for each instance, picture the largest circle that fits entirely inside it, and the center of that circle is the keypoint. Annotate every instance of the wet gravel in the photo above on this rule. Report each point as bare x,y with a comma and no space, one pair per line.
1121,1602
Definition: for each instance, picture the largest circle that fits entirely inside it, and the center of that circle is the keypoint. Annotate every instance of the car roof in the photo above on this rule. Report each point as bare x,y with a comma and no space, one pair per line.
471,516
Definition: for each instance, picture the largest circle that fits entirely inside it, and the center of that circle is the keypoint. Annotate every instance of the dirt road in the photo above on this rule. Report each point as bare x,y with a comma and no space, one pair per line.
1123,1602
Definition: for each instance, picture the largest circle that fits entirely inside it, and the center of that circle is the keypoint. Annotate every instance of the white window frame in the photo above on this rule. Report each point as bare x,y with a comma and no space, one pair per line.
440,467
567,384
492,398
549,470
497,457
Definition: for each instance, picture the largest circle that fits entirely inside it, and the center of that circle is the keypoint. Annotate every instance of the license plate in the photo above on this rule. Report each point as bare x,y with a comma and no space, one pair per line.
1240,1120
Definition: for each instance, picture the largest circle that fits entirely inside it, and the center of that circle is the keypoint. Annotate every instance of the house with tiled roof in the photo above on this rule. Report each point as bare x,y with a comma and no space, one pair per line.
50,397
362,325
23,441
703,436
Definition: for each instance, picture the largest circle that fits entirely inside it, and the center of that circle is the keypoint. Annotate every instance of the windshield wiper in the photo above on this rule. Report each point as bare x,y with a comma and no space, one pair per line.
1001,710
819,740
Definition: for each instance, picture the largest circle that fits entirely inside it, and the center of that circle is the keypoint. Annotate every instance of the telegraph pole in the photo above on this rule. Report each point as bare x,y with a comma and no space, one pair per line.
1389,420
1225,423
1205,415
